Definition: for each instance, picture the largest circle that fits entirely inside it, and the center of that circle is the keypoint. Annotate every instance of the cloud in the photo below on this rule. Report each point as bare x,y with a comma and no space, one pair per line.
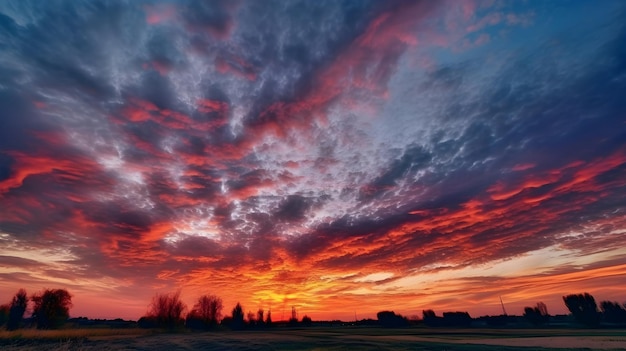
293,208
12,261
262,147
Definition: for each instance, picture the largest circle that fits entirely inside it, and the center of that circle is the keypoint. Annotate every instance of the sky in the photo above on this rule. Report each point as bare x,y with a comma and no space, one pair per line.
343,157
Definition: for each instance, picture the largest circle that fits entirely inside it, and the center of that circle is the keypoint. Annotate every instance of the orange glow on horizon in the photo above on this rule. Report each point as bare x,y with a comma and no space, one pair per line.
337,159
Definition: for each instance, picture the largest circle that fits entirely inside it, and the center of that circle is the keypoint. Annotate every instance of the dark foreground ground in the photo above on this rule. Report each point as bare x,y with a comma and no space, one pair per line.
356,338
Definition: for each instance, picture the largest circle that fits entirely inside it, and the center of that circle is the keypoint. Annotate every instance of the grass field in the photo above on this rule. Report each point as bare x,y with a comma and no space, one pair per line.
348,338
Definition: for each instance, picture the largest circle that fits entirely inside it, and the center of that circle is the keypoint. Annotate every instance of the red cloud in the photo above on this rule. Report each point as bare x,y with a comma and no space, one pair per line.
159,13
237,66
138,110
523,166
29,165
207,105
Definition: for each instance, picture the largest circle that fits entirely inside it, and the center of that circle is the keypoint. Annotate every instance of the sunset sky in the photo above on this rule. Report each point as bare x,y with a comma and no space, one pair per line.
342,157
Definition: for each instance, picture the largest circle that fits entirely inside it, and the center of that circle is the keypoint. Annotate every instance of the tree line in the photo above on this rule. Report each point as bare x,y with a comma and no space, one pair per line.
583,309
50,310
169,311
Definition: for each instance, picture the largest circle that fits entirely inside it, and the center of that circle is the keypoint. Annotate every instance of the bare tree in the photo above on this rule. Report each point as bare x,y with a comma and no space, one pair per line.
51,308
167,310
206,313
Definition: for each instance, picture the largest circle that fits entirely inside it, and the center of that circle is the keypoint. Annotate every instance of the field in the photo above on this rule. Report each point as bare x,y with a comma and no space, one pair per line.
346,338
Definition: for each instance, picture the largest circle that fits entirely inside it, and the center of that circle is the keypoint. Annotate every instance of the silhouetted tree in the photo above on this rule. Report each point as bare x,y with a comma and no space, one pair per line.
537,315
542,308
413,319
227,321
206,313
428,314
51,308
613,312
167,310
457,319
259,317
431,319
498,321
389,319
4,314
268,319
251,318
293,321
237,322
17,309
583,308
306,321
147,322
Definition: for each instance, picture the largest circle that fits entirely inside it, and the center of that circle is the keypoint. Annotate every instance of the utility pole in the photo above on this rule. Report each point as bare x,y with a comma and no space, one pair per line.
502,303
